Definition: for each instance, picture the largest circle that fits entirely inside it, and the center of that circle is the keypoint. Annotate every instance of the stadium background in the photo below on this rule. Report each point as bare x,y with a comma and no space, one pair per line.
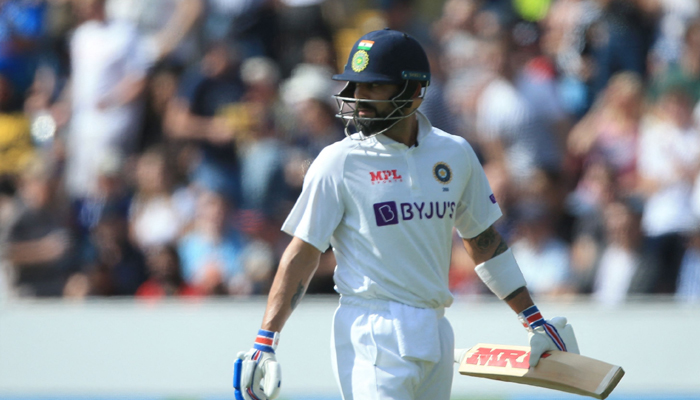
147,162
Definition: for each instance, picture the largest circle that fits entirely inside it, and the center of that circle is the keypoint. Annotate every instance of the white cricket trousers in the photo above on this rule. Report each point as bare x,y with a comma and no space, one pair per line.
383,350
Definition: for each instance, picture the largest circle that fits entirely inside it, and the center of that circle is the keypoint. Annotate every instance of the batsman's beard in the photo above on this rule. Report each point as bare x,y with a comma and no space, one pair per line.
376,124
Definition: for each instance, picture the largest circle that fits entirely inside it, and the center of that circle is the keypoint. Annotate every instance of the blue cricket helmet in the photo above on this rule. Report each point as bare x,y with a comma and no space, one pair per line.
383,57
386,56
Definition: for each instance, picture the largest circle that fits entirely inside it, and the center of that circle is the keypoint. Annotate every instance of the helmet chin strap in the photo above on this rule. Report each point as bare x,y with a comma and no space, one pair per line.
397,101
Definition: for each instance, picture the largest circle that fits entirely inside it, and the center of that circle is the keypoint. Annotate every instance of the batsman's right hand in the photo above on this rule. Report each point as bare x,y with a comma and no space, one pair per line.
256,374
546,335
459,355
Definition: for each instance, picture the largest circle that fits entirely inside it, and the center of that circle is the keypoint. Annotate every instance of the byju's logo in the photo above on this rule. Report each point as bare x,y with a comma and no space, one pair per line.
386,213
385,176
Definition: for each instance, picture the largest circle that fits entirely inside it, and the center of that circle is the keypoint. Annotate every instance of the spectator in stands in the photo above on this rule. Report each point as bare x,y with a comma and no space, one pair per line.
667,162
160,90
586,204
108,69
310,81
211,252
39,243
165,275
537,79
112,197
259,262
22,26
465,77
118,267
167,25
457,17
8,213
317,126
542,256
154,218
201,113
686,71
261,77
251,25
296,23
595,189
670,44
688,286
626,266
264,194
566,39
403,16
15,141
622,37
505,124
609,133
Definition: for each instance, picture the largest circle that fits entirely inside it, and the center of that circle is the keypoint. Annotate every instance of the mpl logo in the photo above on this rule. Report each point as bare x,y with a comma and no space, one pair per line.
494,357
386,176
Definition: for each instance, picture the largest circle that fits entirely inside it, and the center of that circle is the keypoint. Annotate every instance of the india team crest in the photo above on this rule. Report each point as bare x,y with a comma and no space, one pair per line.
360,61
442,172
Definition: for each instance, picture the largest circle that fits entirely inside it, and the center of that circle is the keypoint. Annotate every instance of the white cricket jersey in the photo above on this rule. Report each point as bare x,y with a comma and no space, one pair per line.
388,211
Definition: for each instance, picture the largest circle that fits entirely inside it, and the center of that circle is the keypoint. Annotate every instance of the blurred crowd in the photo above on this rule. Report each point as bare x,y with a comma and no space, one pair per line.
154,148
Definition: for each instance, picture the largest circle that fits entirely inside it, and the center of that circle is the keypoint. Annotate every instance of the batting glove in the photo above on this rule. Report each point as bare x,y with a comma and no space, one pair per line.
459,355
256,374
546,335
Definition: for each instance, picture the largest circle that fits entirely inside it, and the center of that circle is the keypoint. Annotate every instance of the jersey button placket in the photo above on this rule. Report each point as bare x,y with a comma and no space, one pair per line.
413,171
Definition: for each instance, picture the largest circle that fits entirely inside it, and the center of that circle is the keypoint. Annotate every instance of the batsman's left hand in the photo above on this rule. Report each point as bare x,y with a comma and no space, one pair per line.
546,335
256,374
259,375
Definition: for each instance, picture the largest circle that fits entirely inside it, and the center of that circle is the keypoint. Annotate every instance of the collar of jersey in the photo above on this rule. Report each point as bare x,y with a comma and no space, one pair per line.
424,129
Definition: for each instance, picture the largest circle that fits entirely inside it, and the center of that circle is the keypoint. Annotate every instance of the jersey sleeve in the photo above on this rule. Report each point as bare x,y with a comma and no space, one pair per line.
477,208
320,207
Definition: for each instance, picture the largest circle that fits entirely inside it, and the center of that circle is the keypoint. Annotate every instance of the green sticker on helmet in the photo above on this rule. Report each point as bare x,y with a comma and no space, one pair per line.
360,61
413,75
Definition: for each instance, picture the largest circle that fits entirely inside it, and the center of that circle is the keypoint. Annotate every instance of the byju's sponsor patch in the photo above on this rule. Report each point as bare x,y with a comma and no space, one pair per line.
386,213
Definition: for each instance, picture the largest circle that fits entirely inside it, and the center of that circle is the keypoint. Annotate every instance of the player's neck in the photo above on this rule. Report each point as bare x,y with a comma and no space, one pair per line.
406,131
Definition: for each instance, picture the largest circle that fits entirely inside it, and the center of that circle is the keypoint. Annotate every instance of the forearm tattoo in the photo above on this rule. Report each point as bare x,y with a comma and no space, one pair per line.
298,295
502,247
483,243
485,240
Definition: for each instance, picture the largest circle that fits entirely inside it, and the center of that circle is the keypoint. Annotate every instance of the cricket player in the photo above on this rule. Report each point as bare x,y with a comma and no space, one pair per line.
387,199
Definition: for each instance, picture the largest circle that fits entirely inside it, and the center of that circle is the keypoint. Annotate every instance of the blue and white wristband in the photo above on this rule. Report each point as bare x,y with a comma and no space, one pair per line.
267,341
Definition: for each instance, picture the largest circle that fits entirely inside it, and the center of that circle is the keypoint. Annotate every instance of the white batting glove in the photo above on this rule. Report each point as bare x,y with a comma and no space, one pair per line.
545,335
256,374
459,355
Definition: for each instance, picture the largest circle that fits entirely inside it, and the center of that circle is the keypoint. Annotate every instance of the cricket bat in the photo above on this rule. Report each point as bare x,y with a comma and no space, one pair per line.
557,370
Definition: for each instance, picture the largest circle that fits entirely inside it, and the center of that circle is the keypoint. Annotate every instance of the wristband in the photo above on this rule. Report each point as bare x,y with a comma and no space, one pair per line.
501,274
531,318
267,341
